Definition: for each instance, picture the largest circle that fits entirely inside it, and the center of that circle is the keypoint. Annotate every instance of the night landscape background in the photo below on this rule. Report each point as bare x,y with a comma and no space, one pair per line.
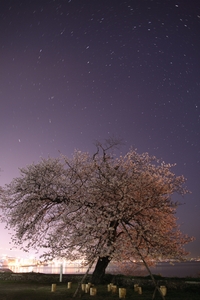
77,71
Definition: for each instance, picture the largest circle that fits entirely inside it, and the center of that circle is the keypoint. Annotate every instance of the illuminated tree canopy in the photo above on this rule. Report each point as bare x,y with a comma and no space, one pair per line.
96,207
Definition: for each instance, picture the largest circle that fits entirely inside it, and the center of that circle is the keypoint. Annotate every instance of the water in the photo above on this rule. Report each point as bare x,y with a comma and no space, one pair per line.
165,269
177,269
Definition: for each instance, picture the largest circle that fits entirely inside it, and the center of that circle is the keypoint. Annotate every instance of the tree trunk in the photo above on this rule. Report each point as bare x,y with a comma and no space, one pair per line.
100,269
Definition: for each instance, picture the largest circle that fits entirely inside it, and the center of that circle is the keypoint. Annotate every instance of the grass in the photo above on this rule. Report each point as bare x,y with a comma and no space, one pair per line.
37,291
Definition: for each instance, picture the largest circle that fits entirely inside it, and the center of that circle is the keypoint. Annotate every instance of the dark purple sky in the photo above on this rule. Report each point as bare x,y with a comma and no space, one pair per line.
80,70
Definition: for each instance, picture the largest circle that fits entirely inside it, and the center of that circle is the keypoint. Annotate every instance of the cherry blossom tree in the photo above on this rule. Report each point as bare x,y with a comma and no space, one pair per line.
98,207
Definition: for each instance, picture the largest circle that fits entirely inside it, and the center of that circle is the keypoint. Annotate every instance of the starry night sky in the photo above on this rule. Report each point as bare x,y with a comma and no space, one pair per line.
77,71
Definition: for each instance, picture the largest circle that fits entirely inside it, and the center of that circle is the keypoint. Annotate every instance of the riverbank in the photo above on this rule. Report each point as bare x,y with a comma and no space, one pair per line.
119,280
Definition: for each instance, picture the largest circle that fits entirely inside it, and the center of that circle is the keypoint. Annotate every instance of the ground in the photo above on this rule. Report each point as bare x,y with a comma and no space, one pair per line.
39,291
